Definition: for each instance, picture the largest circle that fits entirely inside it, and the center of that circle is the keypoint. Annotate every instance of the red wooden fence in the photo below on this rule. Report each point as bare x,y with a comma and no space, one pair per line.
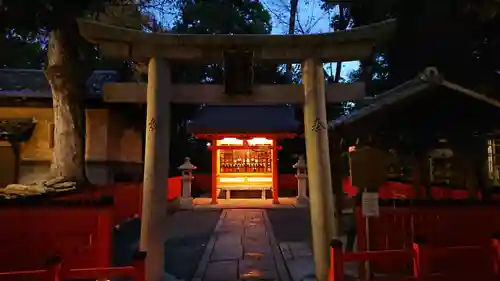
79,234
389,190
127,197
174,187
441,226
459,263
57,271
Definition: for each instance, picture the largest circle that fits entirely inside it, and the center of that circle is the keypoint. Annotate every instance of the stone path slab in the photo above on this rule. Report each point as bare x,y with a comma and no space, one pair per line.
242,247
292,228
188,234
299,260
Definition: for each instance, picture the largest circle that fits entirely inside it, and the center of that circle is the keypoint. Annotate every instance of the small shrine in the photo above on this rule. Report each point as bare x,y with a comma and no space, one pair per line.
244,145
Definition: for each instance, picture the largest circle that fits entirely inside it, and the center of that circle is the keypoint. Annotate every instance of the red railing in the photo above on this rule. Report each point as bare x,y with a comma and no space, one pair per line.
389,190
80,234
174,188
459,263
57,272
127,197
441,226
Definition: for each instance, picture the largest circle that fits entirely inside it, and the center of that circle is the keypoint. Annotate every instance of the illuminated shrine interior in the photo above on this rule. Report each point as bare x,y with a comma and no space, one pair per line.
245,161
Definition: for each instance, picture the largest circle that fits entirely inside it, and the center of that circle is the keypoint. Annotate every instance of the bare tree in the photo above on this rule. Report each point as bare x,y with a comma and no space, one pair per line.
340,22
295,17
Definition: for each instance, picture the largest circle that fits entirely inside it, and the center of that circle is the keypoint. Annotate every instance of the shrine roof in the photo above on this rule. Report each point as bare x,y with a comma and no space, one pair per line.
31,83
244,119
424,104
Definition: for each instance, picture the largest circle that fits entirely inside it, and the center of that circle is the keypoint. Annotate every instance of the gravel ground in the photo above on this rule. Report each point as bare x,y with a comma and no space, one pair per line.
290,225
188,234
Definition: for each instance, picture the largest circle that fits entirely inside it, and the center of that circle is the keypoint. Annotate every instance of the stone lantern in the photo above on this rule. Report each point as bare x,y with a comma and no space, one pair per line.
301,176
187,177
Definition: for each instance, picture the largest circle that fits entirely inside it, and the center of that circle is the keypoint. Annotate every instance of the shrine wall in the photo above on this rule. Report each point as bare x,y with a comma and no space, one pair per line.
113,147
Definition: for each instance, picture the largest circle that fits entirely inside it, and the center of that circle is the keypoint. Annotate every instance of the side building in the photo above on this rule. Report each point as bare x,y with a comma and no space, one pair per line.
113,141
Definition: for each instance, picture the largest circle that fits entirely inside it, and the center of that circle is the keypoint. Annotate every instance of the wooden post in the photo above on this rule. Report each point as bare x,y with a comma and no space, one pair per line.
337,179
139,265
336,261
465,155
416,178
362,235
156,168
275,172
420,260
17,160
425,175
54,265
482,167
318,160
214,171
495,252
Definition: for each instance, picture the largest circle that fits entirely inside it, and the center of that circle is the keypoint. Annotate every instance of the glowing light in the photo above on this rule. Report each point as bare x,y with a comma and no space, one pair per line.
209,144
230,141
259,141
352,148
259,179
231,179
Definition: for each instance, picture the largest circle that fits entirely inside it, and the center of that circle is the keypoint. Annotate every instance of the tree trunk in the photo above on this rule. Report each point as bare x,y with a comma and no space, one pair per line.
338,70
343,26
66,74
291,26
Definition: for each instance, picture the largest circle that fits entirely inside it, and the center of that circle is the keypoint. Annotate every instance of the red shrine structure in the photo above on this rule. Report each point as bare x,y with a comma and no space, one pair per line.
244,145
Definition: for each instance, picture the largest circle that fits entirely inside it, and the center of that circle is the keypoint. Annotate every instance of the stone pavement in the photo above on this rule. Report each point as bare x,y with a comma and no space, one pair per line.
299,260
230,244
292,229
242,247
188,233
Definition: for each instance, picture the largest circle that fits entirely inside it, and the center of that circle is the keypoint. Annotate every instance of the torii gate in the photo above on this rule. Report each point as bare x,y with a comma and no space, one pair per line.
310,50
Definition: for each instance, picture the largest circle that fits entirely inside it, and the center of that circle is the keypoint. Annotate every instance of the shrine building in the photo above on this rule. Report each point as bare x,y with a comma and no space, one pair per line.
244,145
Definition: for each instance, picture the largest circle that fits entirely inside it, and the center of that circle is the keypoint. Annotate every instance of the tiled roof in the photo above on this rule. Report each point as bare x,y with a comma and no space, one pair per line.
31,83
418,86
245,119
388,98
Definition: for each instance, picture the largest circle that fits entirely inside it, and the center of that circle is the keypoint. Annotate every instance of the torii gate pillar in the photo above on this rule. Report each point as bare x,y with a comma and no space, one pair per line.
156,162
318,162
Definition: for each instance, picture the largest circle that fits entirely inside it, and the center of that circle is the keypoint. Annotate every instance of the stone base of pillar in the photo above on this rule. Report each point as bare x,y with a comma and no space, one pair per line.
302,201
186,203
